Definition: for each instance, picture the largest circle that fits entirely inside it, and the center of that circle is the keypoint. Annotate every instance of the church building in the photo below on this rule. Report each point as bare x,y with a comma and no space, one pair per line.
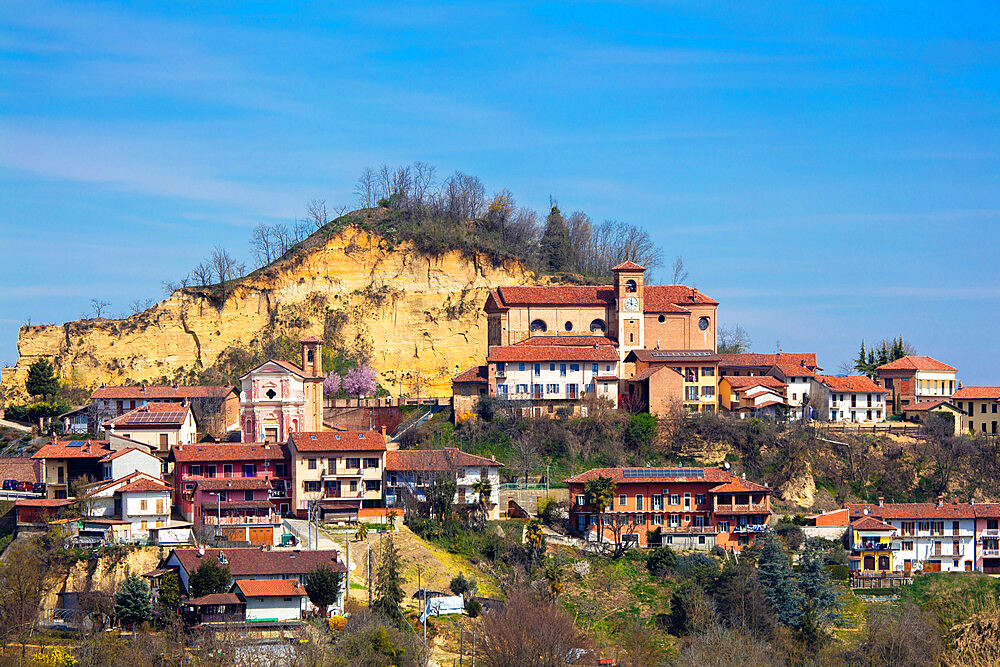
279,398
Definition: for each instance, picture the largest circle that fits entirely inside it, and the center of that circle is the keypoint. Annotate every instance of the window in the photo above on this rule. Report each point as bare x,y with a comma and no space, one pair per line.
907,528
354,462
227,469
310,487
552,389
708,391
907,546
354,485
223,496
594,368
562,370
311,464
699,499
621,500
521,389
501,390
164,440
982,408
723,526
575,368
638,501
248,495
552,367
657,519
630,286
690,374
707,372
249,470
675,499
194,470
690,393
371,462
537,326
520,365
580,499
568,326
703,323
373,485
675,520
657,503
538,370
598,326
142,505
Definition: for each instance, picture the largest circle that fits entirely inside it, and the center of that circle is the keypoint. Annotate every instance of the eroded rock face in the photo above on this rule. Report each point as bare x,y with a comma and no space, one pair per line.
800,487
419,318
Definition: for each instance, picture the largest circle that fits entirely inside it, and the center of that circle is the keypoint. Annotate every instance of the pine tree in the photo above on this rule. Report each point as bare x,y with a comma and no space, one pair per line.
861,363
872,363
132,603
883,355
779,582
814,582
42,380
555,246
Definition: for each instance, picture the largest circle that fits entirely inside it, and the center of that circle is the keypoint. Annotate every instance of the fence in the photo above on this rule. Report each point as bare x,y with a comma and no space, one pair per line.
881,427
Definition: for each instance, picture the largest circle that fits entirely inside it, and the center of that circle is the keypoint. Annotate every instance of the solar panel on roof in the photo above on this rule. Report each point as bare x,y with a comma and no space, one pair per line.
661,353
663,472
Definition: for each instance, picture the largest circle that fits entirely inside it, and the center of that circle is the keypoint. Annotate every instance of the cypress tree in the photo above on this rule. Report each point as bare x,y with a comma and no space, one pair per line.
779,582
555,242
861,363
814,582
388,582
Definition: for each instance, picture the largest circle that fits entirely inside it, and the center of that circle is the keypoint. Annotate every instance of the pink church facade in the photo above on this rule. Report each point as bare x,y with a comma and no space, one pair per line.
279,398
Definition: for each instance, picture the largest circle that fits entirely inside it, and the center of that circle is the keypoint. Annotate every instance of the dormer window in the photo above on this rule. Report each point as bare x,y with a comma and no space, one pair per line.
630,286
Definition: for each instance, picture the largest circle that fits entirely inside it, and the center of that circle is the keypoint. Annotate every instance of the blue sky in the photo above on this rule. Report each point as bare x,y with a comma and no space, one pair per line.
827,173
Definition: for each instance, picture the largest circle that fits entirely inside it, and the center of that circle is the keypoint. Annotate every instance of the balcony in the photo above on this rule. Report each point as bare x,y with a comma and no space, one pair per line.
241,520
688,530
993,552
992,532
739,508
750,528
877,546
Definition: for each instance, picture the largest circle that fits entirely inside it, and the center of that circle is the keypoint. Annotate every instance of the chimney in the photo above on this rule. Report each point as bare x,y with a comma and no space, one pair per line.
881,501
940,499
383,430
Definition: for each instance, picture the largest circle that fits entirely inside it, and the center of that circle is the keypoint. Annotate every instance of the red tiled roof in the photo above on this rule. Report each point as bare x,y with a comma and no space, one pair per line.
121,452
791,370
987,510
229,451
657,298
739,485
743,382
233,483
474,374
214,505
287,365
158,392
649,372
247,562
338,441
672,357
213,599
628,265
912,511
42,502
21,468
851,383
916,363
73,449
269,587
97,487
507,353
310,339
928,405
575,339
980,393
760,391
871,523
437,460
759,360
152,415
144,484
712,475
605,378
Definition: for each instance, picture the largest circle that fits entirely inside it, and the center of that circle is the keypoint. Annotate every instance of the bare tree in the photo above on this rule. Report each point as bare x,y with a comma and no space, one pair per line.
579,227
733,339
226,270
366,187
140,305
316,212
262,244
423,182
302,229
526,452
203,274
98,306
680,273
622,526
613,242
530,630
281,239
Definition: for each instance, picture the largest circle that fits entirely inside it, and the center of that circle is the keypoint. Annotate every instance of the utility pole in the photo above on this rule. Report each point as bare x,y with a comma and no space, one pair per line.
309,533
369,576
461,651
347,577
546,479
473,649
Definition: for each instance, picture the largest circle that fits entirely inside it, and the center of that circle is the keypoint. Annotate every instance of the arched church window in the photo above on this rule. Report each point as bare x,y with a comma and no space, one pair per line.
598,326
537,326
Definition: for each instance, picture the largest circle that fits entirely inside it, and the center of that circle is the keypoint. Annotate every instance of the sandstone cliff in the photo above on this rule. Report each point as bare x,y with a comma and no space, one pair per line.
418,318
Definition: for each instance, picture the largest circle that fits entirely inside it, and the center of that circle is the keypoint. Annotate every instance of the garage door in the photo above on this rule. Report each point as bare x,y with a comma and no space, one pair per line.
234,534
262,535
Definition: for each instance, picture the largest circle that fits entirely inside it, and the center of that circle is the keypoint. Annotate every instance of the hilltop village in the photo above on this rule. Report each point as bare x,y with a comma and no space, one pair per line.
267,487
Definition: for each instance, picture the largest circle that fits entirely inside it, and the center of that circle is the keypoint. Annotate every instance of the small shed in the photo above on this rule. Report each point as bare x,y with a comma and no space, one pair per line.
270,600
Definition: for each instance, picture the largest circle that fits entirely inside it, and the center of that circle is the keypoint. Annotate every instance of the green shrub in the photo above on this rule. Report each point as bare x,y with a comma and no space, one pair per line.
661,560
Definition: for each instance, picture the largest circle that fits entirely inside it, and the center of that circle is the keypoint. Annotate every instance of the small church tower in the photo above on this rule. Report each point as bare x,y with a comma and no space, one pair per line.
629,307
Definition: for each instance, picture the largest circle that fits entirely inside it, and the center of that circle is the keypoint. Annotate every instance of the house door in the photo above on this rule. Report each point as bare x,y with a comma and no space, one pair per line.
869,563
883,562
118,505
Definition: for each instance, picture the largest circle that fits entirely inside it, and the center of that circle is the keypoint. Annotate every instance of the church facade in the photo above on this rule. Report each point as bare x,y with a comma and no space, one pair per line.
279,398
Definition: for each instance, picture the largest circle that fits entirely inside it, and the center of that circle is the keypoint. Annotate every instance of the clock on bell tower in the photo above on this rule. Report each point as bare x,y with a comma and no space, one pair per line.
629,307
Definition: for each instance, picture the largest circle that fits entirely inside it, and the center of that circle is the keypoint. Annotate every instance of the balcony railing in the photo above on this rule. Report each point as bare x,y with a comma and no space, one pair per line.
991,552
877,546
742,507
750,528
697,530
992,531
241,520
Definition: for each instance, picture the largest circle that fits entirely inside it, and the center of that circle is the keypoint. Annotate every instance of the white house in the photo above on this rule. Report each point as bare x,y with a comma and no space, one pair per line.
932,537
161,425
271,599
797,379
850,398
124,462
139,501
414,469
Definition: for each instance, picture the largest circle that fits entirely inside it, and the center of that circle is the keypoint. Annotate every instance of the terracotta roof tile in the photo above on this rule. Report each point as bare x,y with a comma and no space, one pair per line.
851,383
560,339
250,562
158,392
871,523
152,415
673,357
144,484
765,361
743,382
229,451
338,441
269,587
916,363
657,298
628,265
311,339
508,353
474,374
673,298
42,502
739,485
928,405
789,369
122,452
213,599
987,510
649,372
912,511
435,460
73,449
978,393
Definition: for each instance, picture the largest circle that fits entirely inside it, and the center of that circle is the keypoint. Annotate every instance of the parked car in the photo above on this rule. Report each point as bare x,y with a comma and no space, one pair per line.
9,484
38,487
24,486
